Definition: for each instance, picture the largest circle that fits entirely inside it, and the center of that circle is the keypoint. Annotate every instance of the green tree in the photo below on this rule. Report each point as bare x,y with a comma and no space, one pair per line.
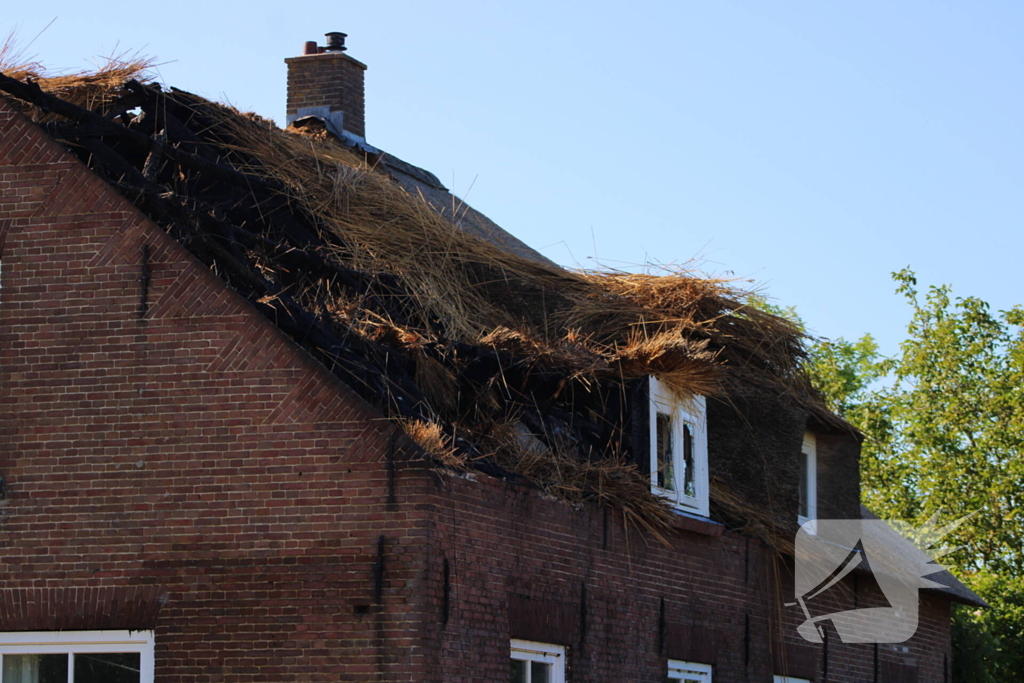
943,421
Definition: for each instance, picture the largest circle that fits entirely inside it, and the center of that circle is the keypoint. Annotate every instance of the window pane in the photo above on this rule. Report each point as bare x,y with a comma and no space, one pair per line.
35,668
803,485
540,672
107,668
689,477
681,677
666,476
518,671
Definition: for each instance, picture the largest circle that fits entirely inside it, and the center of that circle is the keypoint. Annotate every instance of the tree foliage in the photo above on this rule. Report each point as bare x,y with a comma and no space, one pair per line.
943,421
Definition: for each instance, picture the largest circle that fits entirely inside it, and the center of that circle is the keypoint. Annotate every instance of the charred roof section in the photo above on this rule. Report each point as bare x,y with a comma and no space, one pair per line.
489,355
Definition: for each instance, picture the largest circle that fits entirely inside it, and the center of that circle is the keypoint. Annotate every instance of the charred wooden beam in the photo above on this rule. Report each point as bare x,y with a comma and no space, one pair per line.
493,470
153,194
155,160
396,392
122,105
178,132
31,92
73,130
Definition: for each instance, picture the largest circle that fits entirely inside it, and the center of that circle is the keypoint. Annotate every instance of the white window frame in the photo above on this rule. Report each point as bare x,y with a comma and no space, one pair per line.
76,642
688,671
809,453
530,651
789,679
692,412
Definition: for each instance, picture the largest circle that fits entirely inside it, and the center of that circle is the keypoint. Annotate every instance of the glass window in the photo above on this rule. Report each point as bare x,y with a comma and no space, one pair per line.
537,662
79,656
35,669
803,485
666,466
679,450
689,467
112,667
519,670
808,486
688,672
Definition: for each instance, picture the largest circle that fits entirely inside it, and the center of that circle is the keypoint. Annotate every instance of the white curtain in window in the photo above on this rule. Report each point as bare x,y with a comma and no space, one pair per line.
21,669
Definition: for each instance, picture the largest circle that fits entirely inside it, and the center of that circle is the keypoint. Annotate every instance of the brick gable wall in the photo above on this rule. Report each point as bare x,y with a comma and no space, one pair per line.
193,450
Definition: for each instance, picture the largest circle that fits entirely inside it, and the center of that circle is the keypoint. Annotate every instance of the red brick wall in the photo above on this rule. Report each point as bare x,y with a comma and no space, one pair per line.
330,79
195,449
507,547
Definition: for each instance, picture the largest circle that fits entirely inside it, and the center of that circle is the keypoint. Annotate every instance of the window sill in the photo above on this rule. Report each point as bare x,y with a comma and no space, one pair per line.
687,521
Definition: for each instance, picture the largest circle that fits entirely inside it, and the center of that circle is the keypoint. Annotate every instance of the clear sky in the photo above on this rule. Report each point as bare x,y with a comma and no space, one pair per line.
812,146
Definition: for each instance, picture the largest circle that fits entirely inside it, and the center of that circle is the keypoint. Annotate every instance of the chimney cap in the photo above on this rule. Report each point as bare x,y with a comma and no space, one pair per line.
336,41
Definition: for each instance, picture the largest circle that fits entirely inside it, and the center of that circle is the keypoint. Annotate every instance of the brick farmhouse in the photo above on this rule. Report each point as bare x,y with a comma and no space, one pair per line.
240,440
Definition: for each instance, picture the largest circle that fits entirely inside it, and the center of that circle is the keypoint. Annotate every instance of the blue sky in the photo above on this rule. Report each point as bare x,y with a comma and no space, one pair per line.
813,147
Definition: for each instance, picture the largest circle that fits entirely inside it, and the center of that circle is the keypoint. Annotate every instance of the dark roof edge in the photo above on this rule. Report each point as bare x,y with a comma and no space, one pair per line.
950,587
393,163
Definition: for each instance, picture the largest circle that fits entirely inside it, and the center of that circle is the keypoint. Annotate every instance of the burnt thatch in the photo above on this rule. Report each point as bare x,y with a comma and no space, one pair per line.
489,358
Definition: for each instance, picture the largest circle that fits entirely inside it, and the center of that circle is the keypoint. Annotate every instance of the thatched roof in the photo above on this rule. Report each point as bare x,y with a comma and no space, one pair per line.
488,354
421,183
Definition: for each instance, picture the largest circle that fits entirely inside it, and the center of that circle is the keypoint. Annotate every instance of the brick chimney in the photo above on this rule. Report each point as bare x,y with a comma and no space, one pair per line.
328,84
